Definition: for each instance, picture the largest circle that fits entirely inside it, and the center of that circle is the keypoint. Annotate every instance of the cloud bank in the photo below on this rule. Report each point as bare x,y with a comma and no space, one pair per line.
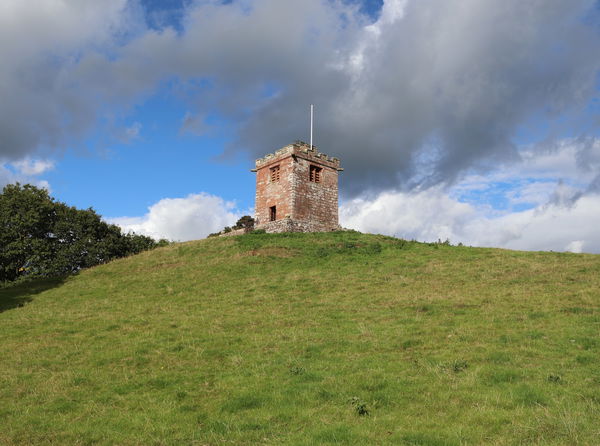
432,215
545,201
180,219
427,92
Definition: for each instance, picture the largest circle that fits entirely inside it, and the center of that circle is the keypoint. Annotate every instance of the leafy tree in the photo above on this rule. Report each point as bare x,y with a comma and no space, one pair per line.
40,236
27,216
245,222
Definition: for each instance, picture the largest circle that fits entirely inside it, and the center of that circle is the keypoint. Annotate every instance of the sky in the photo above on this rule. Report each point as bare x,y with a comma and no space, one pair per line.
474,121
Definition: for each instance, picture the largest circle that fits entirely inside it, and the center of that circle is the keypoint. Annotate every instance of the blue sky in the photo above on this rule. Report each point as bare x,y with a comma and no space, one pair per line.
471,120
164,161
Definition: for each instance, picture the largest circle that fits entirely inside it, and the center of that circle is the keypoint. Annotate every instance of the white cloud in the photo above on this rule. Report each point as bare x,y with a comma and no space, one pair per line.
391,11
432,214
575,246
32,167
534,193
544,201
25,171
181,219
425,215
551,227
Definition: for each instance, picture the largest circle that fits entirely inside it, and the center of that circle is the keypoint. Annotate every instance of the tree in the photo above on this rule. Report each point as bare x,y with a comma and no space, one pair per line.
246,222
27,216
42,237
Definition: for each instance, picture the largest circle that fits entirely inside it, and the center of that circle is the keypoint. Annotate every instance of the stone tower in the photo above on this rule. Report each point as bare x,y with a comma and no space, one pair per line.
297,190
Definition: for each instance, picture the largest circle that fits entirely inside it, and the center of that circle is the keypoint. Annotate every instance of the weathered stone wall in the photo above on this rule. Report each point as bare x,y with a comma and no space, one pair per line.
234,232
315,202
289,225
306,206
278,193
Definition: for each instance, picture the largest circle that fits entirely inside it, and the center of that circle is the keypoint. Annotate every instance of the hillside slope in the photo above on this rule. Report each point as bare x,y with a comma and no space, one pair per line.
306,339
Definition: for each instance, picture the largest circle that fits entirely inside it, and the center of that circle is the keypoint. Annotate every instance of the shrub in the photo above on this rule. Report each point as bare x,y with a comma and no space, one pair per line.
459,366
360,407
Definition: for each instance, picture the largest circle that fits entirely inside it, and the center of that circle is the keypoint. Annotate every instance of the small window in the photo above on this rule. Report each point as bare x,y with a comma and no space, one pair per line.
315,174
273,213
274,174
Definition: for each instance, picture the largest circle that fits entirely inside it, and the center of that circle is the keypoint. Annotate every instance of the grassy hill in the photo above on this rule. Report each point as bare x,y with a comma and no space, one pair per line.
306,339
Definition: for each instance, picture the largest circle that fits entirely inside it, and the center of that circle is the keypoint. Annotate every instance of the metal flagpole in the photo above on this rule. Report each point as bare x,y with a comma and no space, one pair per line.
311,126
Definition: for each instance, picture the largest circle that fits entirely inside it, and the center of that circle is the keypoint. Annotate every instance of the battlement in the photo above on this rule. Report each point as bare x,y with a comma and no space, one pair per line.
302,150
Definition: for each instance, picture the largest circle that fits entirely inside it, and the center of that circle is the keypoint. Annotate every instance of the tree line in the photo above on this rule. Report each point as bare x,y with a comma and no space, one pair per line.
40,236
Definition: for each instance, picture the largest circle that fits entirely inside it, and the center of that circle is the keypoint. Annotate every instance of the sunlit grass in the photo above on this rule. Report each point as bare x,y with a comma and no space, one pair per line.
281,339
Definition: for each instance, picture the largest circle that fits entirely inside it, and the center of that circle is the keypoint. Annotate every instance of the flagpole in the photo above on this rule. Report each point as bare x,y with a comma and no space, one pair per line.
311,126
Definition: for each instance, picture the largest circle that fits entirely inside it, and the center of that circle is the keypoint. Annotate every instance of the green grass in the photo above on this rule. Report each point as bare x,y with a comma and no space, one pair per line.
306,339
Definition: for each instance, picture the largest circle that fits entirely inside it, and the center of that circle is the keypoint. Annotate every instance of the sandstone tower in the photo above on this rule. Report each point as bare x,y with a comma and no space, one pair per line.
297,190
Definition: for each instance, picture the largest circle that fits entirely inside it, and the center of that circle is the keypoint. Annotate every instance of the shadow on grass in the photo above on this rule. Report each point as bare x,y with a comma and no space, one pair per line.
17,295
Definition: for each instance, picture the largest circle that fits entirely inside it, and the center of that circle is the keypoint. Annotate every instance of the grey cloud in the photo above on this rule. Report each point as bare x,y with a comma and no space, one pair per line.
443,90
50,98
563,196
585,154
69,79
588,160
413,101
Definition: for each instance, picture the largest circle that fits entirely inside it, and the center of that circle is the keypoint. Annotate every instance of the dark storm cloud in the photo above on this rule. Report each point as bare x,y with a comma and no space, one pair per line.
430,90
443,89
46,100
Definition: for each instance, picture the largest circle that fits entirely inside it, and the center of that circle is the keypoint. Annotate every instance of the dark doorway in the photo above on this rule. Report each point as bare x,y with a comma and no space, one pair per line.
273,213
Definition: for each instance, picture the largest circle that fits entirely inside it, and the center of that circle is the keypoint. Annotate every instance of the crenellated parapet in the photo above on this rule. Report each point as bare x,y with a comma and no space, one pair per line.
302,150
